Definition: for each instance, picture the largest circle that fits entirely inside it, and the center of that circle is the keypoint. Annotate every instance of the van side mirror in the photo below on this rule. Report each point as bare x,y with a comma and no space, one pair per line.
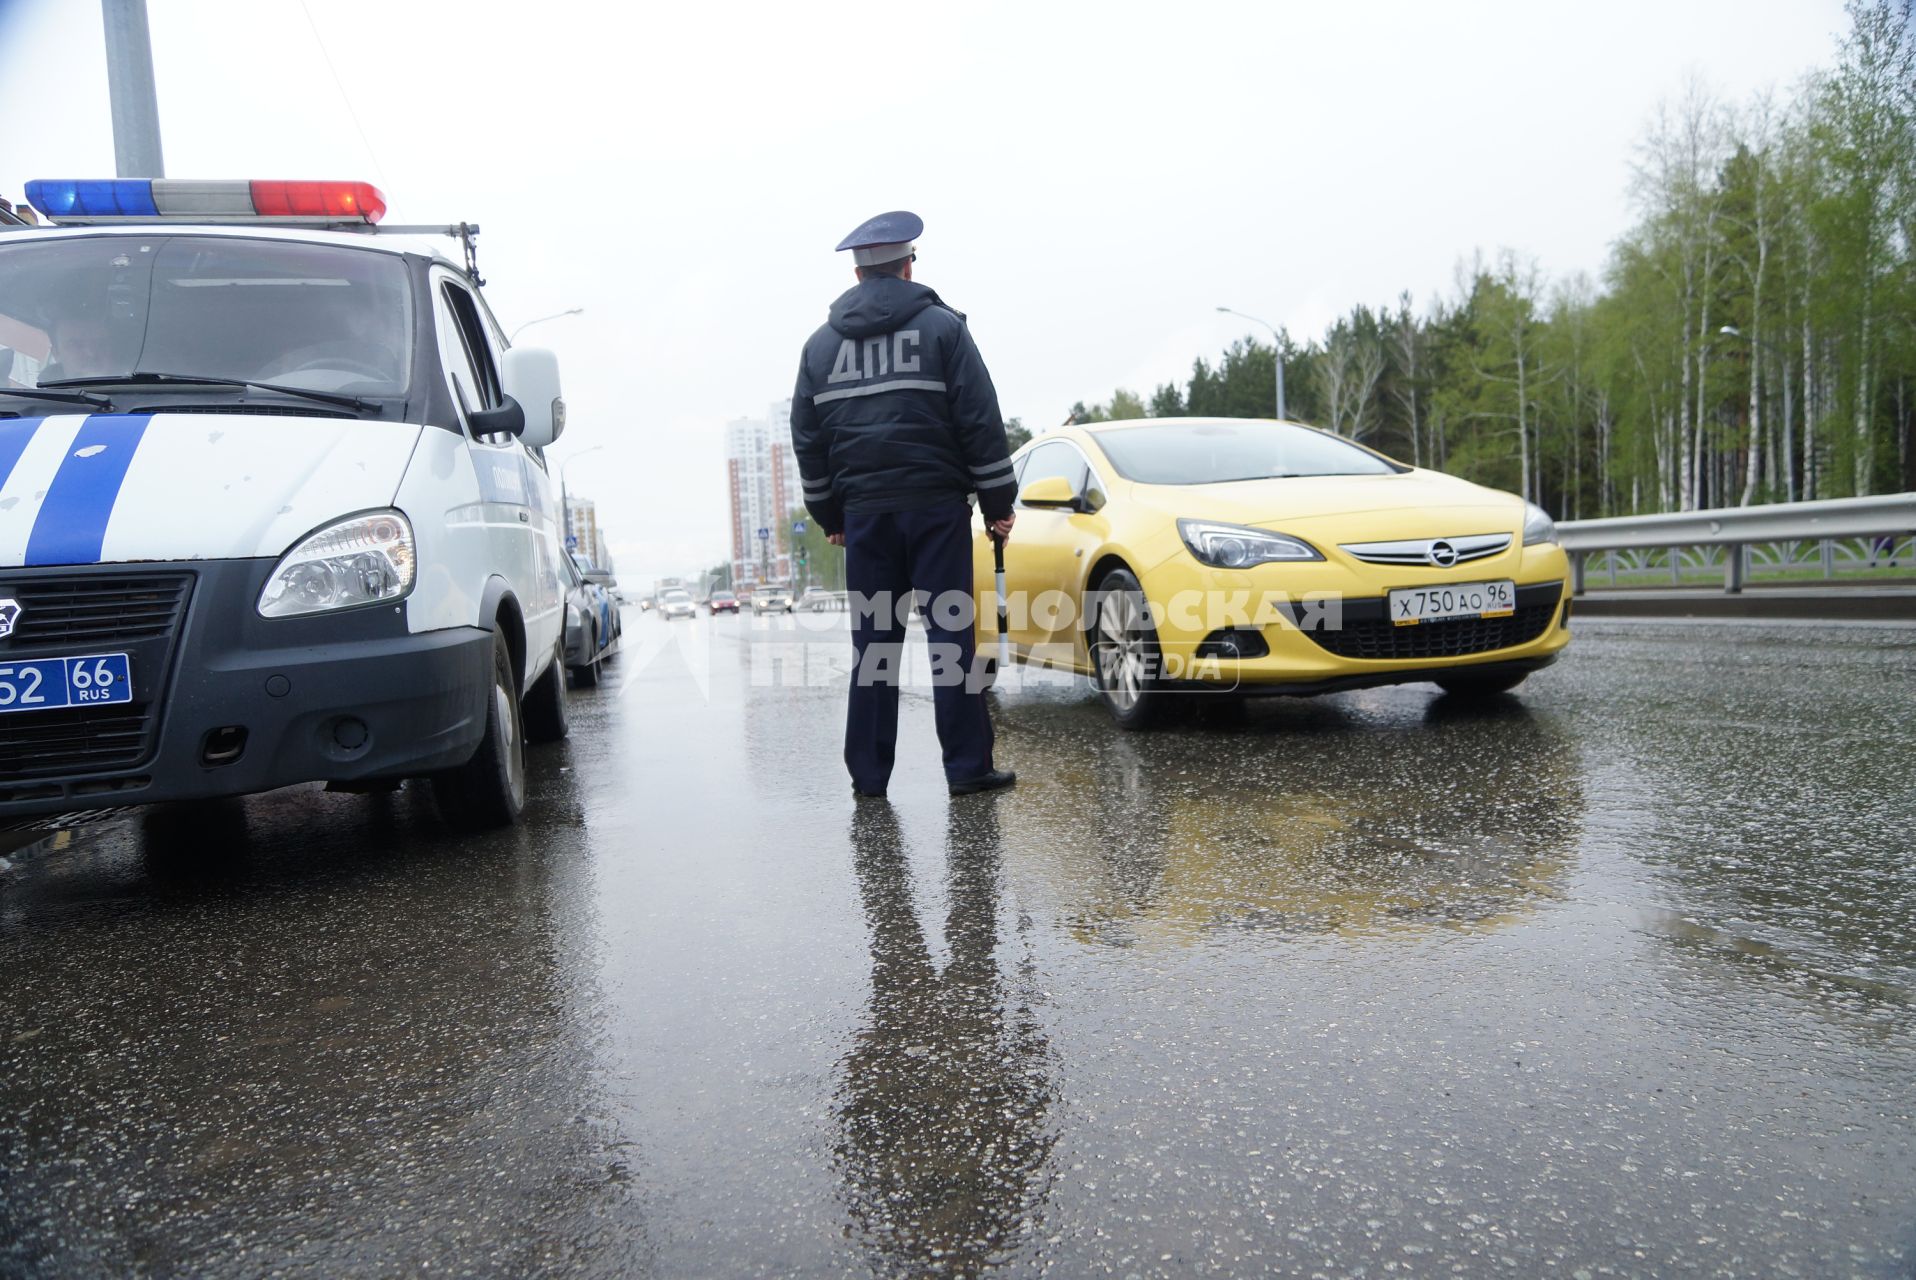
1052,491
531,378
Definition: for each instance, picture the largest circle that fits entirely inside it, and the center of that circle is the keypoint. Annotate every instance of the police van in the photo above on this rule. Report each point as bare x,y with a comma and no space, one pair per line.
273,504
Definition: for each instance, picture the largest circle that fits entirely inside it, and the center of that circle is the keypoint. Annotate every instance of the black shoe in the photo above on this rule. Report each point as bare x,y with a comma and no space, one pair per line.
862,794
996,780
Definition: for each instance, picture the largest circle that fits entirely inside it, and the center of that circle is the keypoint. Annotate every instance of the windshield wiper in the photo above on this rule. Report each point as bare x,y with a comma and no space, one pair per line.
144,379
58,397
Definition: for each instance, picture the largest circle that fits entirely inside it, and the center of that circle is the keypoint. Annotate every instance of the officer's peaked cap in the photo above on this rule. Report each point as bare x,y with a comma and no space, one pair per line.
886,238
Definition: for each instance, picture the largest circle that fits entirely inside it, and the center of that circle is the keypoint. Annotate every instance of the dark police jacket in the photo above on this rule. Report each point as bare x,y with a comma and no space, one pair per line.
894,410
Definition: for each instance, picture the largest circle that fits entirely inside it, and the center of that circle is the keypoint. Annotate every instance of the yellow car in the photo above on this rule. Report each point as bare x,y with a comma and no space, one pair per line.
1252,557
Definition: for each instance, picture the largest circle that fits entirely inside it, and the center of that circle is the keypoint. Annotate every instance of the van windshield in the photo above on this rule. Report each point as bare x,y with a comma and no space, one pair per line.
321,317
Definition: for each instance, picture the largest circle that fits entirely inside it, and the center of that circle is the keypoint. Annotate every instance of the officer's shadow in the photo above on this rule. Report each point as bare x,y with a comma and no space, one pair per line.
944,1099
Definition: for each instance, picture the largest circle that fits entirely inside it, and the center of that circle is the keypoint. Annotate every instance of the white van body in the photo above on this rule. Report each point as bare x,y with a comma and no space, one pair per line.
154,526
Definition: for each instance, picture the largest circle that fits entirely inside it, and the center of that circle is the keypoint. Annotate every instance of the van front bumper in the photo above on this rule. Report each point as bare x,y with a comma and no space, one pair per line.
227,702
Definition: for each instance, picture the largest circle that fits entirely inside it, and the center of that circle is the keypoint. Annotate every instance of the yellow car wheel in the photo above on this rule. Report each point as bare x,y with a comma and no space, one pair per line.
1124,652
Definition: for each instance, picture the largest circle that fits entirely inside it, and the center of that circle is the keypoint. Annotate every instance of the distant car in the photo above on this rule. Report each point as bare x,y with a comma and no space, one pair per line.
722,602
588,637
646,603
772,597
677,604
611,625
817,600
604,591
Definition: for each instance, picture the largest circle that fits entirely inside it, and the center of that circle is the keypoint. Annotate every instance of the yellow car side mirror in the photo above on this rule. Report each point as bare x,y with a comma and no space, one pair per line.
1052,491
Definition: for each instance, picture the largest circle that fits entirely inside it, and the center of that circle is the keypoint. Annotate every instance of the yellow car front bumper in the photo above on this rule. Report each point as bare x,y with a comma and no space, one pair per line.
1324,622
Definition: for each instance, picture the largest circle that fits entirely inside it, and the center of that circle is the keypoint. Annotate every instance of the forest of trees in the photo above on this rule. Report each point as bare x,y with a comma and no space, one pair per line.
1753,338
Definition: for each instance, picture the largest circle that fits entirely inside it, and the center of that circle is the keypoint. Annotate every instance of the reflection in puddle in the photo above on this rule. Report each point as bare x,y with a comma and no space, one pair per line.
944,1099
1323,824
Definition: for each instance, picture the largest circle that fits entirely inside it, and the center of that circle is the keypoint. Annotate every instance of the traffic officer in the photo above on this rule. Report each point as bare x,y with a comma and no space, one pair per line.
895,424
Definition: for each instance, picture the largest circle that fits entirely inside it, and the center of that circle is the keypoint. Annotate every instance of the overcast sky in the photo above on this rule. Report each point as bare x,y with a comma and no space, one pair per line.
1095,178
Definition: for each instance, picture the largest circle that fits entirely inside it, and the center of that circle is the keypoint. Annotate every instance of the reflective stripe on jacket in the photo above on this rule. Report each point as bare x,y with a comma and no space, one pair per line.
894,410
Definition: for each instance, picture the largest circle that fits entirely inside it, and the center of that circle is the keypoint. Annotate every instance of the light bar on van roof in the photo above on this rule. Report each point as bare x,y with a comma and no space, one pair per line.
89,200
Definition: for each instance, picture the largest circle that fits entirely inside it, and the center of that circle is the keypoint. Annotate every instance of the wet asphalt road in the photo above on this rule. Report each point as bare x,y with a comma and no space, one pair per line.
1613,978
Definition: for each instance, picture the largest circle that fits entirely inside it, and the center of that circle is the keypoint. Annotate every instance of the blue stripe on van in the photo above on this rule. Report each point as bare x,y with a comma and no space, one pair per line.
15,435
71,526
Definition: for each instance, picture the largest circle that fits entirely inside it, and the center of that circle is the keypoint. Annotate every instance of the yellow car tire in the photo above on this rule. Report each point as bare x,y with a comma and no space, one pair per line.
1124,652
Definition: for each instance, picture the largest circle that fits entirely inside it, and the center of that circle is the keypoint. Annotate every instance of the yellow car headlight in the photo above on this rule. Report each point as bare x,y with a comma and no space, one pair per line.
1237,546
1537,525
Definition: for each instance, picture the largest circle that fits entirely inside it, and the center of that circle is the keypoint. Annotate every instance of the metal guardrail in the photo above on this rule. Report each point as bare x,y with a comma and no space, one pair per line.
1782,525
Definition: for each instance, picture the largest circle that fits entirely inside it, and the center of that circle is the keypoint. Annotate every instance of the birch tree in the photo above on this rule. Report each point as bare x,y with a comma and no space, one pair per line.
1861,121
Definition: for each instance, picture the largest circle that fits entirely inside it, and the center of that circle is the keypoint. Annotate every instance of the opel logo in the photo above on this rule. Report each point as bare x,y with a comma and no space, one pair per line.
9,614
1442,554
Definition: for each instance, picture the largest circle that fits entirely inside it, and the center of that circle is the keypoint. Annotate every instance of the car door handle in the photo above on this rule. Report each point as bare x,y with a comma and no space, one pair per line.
523,518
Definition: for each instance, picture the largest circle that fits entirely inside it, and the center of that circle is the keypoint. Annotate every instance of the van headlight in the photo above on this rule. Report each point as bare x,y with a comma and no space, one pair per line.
1237,546
361,560
1537,525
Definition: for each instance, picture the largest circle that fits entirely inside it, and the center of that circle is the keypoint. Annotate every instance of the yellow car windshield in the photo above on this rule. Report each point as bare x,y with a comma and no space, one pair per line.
1216,452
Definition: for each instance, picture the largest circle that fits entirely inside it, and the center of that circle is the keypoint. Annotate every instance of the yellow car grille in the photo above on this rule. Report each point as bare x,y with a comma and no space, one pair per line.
1380,640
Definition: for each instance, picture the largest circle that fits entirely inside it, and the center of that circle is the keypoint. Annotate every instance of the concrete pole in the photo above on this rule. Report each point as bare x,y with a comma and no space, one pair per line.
129,80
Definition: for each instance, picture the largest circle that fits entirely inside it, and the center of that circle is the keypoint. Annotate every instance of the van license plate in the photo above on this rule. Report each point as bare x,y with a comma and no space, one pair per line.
1411,605
43,684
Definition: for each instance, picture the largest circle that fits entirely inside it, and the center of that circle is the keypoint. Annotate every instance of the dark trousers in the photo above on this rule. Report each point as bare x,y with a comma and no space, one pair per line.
888,556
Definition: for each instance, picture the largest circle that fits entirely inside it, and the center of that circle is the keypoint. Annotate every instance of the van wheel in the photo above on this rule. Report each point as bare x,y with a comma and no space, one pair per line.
545,708
1124,652
489,790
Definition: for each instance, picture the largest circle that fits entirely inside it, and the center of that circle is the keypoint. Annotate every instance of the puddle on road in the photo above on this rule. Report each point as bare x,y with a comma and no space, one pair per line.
1307,822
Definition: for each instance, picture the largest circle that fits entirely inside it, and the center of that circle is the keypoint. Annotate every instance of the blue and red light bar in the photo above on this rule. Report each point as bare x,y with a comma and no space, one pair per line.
86,200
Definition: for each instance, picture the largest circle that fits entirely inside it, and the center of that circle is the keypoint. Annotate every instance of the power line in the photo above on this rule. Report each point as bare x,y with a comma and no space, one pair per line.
344,97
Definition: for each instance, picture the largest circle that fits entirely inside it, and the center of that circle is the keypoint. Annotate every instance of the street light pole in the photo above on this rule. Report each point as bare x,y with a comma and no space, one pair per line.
557,315
1789,444
565,495
130,91
1277,353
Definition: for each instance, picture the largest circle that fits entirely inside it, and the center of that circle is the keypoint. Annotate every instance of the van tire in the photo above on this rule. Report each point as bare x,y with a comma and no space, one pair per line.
489,790
545,708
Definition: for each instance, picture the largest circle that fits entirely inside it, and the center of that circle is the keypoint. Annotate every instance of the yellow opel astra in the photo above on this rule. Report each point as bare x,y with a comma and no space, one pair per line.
1253,557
